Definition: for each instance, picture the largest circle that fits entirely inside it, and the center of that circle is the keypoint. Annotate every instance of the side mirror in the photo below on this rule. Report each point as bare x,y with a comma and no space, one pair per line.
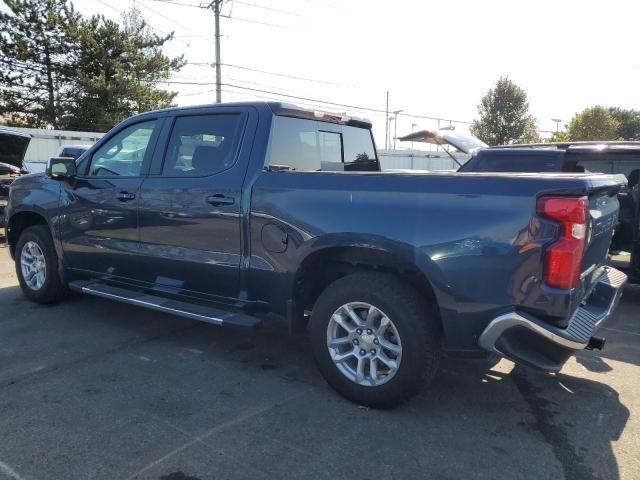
61,168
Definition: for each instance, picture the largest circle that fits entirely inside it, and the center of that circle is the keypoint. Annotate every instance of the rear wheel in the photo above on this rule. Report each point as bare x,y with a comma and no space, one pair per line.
37,266
375,340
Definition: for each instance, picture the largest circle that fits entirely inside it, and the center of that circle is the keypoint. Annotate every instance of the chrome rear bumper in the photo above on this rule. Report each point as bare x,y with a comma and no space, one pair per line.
528,340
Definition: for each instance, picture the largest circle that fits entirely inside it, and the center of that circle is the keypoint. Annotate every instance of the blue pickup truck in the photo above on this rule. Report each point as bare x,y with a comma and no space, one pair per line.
224,213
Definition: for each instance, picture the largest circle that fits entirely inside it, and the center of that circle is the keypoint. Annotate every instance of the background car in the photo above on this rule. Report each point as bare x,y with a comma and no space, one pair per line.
13,146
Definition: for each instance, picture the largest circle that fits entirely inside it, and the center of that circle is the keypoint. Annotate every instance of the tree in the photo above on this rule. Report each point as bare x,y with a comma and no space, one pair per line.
61,70
560,137
504,116
629,121
35,72
118,69
594,123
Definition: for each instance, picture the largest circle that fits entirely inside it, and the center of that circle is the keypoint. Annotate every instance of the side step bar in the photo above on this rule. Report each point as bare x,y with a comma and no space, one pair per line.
167,305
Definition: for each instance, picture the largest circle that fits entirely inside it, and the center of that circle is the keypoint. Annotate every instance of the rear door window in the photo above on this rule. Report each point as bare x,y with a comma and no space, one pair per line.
202,145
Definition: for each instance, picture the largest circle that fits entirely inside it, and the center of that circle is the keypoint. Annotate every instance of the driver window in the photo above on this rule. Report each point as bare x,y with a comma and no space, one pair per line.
123,154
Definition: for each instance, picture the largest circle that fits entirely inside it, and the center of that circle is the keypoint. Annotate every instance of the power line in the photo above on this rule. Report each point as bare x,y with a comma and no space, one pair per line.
170,20
122,13
335,104
284,75
275,25
322,4
172,2
110,6
304,98
277,10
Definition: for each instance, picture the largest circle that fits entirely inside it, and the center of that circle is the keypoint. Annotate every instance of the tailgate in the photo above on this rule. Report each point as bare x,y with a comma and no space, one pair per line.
603,218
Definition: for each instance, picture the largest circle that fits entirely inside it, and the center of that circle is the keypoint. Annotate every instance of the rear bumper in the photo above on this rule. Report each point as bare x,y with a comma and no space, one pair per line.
530,341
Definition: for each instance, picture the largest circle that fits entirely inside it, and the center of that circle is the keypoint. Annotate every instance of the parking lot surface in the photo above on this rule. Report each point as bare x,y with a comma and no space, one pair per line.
91,389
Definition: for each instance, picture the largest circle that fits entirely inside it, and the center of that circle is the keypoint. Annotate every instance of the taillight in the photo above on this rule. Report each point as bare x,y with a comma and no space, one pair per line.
563,258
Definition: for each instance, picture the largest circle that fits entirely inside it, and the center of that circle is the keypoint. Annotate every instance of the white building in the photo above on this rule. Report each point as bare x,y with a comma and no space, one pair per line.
44,142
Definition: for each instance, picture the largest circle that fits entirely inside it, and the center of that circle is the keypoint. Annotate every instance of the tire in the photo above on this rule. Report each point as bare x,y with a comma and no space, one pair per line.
415,329
37,239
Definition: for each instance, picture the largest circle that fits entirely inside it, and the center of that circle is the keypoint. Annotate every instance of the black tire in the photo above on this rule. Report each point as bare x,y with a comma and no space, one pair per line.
414,320
53,288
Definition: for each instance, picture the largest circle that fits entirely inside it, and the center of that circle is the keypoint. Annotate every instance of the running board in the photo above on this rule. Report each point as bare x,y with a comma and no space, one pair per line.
167,305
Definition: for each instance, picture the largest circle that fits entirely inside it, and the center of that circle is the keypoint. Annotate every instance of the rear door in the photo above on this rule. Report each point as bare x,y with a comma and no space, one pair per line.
191,204
99,225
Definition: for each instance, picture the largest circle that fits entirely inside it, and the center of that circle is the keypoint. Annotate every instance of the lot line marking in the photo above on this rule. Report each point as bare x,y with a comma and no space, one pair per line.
10,472
620,331
211,446
246,415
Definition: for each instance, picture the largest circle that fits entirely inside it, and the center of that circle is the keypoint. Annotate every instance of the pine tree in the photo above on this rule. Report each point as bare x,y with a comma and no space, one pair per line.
118,69
36,68
61,70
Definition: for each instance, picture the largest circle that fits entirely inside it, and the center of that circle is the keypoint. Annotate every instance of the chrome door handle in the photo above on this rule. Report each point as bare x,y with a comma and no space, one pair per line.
126,196
218,199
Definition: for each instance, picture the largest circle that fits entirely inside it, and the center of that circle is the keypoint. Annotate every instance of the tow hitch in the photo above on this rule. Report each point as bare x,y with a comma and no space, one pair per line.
596,343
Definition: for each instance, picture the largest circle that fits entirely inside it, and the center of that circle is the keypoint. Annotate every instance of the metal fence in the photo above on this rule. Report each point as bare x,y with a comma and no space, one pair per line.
419,160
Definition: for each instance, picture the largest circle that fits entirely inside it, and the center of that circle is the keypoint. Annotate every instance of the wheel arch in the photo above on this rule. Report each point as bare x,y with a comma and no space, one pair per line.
328,259
19,222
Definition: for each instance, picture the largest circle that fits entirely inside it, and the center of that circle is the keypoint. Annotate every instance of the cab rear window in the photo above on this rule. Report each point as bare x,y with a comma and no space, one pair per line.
303,145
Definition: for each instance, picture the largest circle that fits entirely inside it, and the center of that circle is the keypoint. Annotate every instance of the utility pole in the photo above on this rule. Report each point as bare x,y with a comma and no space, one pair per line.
386,124
395,127
215,5
557,120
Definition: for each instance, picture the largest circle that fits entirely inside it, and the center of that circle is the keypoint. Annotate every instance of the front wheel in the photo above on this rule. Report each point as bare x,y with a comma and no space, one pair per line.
374,339
37,266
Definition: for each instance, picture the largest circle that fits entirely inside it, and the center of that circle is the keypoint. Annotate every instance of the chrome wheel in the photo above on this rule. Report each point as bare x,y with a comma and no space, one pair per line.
364,344
33,265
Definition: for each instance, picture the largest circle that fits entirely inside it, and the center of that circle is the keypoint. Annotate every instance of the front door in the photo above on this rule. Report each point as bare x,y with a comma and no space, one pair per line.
99,221
190,211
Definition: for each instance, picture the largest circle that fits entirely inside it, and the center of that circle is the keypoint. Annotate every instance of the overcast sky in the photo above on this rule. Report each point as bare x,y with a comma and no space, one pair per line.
435,58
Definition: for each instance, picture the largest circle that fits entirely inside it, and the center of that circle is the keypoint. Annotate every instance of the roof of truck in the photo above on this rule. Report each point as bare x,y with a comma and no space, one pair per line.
284,109
611,145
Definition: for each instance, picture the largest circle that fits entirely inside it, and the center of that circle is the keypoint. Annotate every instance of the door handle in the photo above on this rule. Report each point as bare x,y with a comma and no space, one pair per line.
126,196
218,199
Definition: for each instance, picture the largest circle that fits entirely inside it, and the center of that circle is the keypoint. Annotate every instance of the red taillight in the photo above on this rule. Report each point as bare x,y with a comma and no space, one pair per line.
563,258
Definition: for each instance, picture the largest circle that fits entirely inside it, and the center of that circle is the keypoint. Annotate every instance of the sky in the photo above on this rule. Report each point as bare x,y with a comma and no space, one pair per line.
436,59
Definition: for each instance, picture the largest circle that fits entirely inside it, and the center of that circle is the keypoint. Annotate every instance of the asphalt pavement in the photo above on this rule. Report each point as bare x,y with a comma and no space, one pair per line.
92,389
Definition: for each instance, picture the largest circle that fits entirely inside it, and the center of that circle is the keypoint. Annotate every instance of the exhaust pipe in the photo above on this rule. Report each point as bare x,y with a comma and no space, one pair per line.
596,343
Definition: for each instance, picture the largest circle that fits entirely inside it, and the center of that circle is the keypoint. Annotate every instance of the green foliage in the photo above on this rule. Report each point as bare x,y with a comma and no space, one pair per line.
629,121
594,123
504,116
62,70
560,137
36,68
118,68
